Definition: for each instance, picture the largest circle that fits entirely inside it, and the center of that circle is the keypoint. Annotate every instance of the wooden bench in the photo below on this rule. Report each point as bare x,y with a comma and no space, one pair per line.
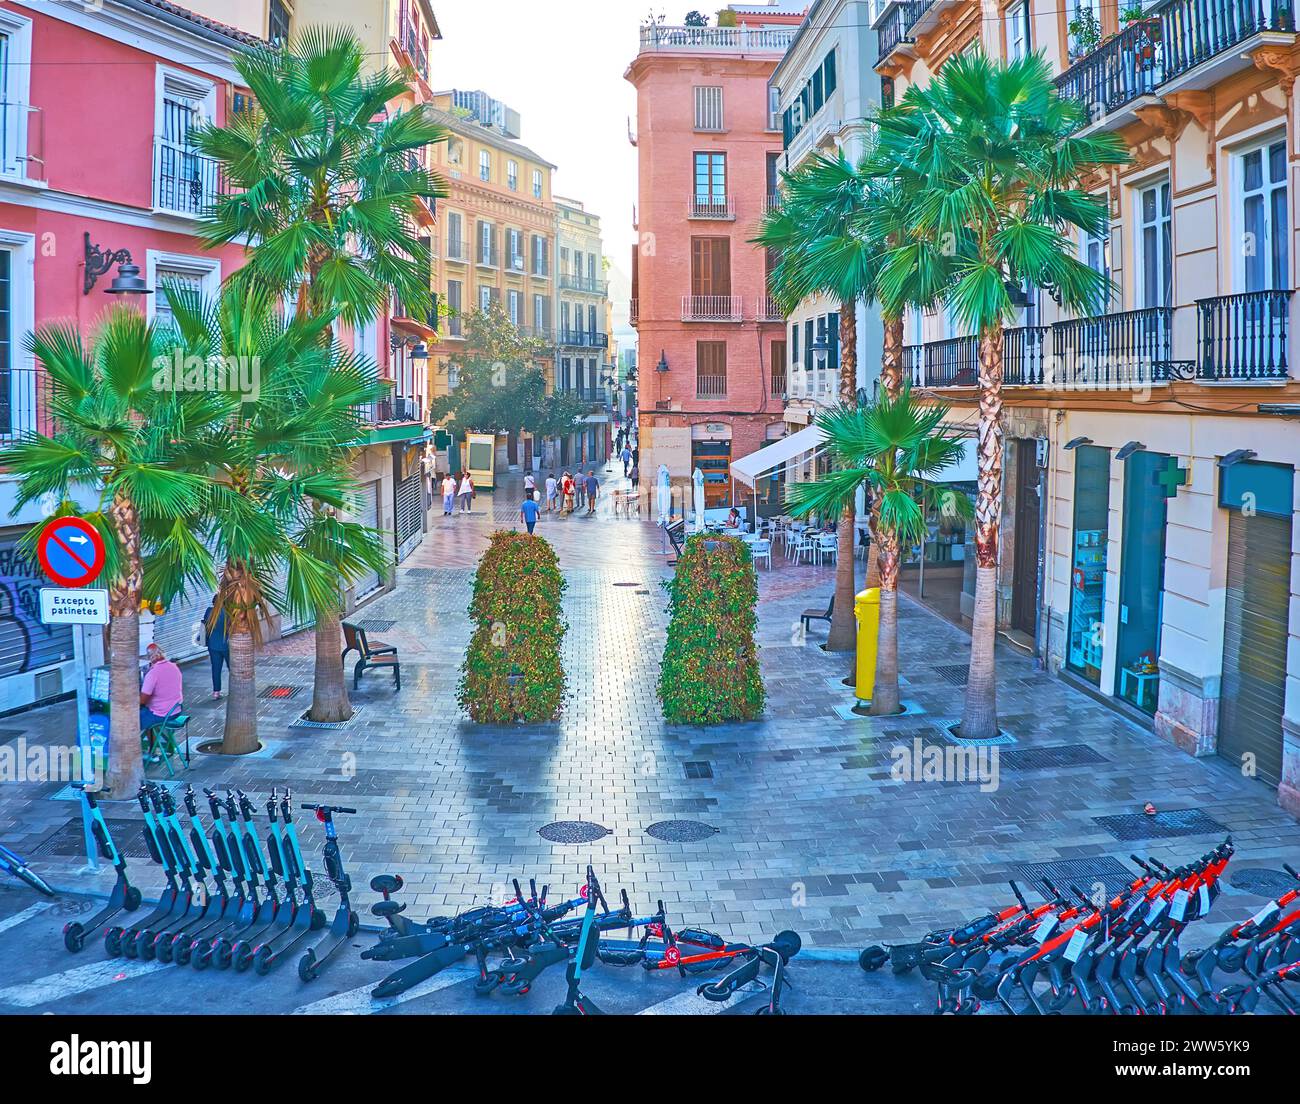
370,656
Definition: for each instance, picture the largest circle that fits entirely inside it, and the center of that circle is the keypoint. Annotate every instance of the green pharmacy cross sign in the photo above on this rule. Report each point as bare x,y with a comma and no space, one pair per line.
1169,477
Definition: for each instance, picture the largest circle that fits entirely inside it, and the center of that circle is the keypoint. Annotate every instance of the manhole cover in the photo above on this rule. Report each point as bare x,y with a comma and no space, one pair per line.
69,842
1168,825
572,831
1262,881
680,831
280,692
953,674
699,770
1101,870
376,625
1066,755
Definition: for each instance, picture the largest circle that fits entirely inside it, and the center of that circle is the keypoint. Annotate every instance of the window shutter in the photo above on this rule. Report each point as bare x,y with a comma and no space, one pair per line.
708,107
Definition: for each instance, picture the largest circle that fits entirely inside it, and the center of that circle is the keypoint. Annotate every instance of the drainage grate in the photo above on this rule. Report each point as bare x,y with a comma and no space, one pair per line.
702,769
572,831
1101,870
303,722
421,572
1262,881
627,584
1066,755
69,842
376,625
1176,822
680,831
947,729
953,674
280,692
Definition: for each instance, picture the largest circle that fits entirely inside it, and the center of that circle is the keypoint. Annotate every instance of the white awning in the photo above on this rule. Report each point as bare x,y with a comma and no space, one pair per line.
748,468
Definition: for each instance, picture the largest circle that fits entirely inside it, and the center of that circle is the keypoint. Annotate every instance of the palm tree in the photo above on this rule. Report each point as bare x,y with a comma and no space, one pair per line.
279,477
815,236
994,159
895,448
325,182
131,443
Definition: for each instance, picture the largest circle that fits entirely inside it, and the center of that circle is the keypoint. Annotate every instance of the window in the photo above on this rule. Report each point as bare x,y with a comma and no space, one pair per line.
710,181
455,151
565,268
591,320
487,253
1262,209
484,165
277,23
537,183
710,266
708,107
811,98
591,269
515,250
1017,22
541,256
185,181
1155,261
183,283
513,306
512,175
455,236
191,277
711,369
453,308
773,109
541,313
1086,17
777,362
794,342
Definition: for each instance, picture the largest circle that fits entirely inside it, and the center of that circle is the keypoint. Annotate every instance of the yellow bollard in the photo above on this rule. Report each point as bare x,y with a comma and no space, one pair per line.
866,608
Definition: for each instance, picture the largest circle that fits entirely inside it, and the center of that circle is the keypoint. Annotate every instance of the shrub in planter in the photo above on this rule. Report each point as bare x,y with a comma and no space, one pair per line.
710,670
512,669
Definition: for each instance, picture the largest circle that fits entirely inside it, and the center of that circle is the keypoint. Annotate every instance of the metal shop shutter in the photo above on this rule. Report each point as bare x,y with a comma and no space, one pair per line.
1255,641
368,514
410,515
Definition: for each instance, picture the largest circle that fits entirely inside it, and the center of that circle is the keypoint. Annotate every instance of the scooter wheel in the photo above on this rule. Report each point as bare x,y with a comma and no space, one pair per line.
113,942
714,992
318,919
182,949
354,924
162,948
262,960
144,947
307,967
199,958
873,958
74,937
485,985
222,955
131,900
768,1010
242,957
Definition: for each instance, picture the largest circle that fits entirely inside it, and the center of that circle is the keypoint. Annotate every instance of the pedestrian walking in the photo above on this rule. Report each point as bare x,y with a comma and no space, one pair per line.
528,512
217,640
566,486
530,485
466,493
593,488
635,476
626,457
448,494
552,489
579,490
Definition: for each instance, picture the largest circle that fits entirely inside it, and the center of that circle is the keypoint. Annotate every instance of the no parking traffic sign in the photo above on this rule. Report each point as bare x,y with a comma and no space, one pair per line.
71,551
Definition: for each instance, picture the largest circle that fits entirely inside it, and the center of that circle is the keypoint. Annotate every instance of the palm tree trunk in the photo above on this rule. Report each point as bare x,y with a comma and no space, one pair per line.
884,699
329,699
980,716
239,591
125,763
891,361
843,632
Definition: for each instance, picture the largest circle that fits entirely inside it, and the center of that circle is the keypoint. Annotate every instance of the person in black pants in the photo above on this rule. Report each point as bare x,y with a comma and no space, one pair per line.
217,640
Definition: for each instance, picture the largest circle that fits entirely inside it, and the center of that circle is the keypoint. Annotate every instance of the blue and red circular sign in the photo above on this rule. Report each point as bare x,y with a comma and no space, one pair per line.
71,551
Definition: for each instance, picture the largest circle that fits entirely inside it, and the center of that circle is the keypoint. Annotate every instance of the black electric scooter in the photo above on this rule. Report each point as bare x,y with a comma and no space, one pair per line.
346,922
286,858
775,954
124,896
120,939
576,1002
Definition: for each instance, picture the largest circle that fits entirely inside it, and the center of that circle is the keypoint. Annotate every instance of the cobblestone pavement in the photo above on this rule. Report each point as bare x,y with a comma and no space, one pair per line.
803,824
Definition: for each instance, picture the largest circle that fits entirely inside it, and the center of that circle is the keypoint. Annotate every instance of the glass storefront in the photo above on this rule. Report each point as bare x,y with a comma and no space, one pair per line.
1088,566
1141,581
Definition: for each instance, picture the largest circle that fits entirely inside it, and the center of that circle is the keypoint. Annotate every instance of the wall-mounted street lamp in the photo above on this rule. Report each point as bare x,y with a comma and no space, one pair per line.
1070,446
1237,457
662,366
1129,449
128,280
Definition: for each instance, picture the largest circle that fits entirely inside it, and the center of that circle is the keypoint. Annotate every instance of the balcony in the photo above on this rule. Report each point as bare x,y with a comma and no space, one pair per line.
1024,350
1119,71
633,312
895,27
394,410
1243,338
711,308
184,182
583,339
659,39
456,250
778,387
954,362
710,386
515,264
25,395
488,258
537,333
1113,351
718,208
768,311
913,363
416,51
591,285
1206,36
21,131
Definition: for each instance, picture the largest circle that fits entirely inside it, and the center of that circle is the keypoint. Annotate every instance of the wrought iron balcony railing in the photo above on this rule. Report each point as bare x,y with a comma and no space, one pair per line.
722,208
25,394
584,339
1194,31
184,181
711,308
657,38
1243,337
897,26
1120,70
953,362
1113,350
1024,351
571,281
710,386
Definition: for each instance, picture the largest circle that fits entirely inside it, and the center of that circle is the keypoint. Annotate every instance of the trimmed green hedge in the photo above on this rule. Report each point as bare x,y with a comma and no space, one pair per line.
518,629
710,671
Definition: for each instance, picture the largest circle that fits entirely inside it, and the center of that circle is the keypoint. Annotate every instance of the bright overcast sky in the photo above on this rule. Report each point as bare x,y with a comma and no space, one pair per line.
560,64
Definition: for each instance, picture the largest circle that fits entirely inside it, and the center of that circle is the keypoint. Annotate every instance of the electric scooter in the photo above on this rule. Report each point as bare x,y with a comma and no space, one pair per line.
120,939
227,840
776,954
124,896
14,864
286,857
202,906
346,922
223,909
242,949
577,1003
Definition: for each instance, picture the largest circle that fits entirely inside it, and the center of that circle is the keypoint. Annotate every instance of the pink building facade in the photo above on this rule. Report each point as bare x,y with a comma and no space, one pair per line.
712,352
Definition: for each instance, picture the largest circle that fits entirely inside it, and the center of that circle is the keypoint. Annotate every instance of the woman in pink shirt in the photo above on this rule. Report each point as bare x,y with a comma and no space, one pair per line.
161,689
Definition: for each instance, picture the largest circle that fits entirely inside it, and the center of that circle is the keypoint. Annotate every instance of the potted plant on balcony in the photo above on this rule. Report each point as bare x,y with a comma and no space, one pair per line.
1085,33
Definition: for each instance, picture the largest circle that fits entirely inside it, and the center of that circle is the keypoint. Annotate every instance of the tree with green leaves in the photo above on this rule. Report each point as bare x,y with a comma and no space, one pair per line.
894,447
501,384
995,157
325,182
279,479
135,447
